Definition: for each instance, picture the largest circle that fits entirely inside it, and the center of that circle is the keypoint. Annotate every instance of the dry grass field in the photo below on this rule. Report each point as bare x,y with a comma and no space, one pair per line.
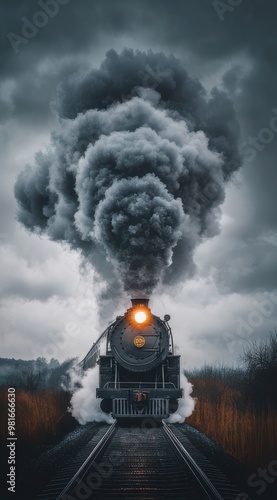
41,417
221,413
248,435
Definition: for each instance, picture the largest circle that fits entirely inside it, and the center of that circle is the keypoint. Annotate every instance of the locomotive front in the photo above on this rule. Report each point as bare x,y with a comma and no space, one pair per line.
139,341
139,374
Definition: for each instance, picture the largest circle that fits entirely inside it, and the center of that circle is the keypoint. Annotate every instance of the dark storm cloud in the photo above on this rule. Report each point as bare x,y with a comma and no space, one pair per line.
245,262
79,29
18,287
28,98
133,170
192,26
255,272
195,23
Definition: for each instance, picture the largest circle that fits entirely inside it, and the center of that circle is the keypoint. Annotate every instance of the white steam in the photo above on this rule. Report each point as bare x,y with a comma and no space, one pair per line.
84,405
86,408
186,404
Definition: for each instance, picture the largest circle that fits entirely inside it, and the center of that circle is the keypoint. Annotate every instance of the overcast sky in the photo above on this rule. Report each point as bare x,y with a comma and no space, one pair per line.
48,303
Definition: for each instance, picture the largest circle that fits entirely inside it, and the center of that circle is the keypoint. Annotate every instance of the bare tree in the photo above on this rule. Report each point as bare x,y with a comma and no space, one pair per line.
260,359
30,379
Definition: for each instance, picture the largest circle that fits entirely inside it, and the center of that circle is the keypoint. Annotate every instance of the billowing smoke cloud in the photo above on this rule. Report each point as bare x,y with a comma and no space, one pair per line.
186,403
135,176
83,405
140,213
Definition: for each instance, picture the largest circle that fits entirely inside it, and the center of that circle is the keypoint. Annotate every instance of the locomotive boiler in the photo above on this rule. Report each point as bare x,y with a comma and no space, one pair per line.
139,374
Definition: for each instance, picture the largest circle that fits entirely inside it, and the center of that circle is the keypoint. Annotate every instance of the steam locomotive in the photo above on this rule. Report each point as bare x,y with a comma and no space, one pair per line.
139,374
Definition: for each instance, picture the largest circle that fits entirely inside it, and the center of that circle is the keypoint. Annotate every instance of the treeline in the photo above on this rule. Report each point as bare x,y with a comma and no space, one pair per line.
255,381
35,375
42,401
237,407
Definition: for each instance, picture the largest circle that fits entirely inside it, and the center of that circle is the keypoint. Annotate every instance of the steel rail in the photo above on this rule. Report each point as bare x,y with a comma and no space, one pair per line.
211,492
92,456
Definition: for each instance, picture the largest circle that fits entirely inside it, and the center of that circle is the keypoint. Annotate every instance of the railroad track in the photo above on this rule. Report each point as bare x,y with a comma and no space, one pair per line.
148,463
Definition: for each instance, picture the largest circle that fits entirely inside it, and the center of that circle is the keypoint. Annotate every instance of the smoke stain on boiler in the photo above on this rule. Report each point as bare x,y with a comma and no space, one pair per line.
124,181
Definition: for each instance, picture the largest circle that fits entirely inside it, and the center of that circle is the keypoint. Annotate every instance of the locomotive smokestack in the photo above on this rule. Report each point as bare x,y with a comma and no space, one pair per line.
140,302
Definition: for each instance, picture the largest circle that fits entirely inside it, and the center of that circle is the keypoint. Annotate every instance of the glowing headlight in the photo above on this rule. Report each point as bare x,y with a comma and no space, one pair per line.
140,317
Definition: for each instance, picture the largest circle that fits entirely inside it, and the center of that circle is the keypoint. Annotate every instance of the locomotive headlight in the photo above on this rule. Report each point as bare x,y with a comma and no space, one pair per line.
140,317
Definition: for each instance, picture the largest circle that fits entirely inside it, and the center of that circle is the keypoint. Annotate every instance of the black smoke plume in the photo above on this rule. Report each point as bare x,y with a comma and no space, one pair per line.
137,172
